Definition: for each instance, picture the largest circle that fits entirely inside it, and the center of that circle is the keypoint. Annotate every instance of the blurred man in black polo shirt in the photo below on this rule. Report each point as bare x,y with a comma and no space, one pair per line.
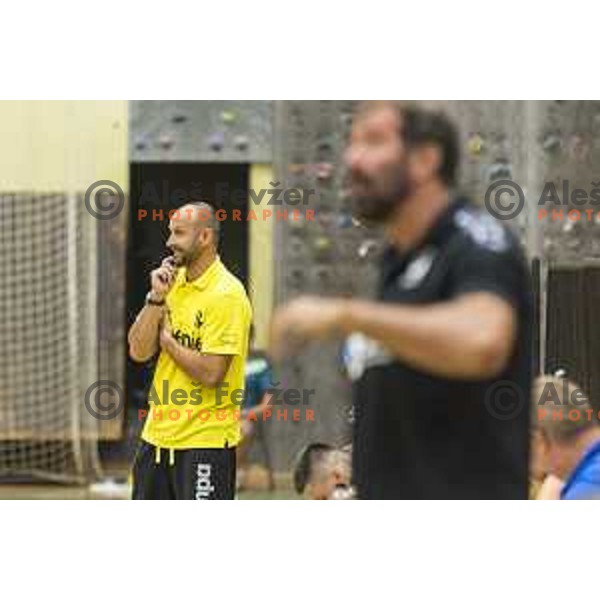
443,358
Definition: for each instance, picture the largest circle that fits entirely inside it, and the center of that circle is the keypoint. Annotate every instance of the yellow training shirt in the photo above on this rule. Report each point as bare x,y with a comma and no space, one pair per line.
211,315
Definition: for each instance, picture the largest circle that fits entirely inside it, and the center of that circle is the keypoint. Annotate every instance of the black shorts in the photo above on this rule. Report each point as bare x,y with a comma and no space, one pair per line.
196,474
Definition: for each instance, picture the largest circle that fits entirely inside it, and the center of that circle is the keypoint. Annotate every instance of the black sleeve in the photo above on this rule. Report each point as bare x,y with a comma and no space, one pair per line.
477,268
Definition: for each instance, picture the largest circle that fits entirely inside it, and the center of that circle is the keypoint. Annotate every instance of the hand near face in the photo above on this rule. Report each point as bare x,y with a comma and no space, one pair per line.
550,489
163,278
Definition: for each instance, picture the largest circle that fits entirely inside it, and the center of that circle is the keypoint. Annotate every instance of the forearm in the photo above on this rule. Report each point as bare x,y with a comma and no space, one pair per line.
439,338
200,367
143,334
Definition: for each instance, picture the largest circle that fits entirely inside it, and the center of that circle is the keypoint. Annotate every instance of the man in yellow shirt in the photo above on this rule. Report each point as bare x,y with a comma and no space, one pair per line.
197,314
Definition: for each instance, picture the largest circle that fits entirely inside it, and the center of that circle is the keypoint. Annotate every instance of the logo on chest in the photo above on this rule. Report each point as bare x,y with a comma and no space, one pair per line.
417,270
187,340
188,336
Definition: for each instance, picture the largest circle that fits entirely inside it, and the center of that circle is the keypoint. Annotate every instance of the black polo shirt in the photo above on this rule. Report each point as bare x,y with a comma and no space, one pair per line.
419,435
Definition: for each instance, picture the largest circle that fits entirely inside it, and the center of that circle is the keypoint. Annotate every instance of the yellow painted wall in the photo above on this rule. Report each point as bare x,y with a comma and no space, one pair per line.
56,146
261,260
62,146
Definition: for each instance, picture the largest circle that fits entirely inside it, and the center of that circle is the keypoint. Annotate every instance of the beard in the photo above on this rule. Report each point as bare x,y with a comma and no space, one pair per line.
373,210
182,258
376,202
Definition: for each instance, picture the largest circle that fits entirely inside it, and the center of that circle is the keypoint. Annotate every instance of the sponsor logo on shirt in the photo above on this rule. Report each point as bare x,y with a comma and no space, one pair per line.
417,270
483,230
187,340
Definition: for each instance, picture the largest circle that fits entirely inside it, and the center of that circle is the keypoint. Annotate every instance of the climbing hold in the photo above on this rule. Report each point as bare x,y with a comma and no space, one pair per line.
228,116
217,141
475,145
166,142
241,142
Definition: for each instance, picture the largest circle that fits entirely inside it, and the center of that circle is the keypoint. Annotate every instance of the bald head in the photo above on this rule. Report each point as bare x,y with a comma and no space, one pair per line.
200,214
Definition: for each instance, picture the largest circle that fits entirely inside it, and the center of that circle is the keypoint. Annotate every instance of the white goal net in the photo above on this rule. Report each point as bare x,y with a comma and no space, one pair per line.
48,338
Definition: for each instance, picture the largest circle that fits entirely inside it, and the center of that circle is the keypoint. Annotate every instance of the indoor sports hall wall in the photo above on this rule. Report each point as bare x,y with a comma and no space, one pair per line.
65,275
57,335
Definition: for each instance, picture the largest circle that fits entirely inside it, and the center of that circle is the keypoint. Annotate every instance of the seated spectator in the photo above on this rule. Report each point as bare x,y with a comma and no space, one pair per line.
322,472
565,441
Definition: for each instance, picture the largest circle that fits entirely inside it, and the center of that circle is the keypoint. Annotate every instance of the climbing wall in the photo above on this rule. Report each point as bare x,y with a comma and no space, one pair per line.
331,256
568,142
494,147
568,155
200,131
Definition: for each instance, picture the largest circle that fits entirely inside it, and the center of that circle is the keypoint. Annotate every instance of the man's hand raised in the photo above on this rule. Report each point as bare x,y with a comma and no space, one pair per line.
303,319
162,279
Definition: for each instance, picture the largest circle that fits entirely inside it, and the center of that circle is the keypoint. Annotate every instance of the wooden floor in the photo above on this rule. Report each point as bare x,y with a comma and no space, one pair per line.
46,492
118,489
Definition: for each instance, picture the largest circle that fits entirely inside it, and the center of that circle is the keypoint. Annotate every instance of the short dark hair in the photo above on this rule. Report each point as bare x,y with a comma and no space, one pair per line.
420,125
306,462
